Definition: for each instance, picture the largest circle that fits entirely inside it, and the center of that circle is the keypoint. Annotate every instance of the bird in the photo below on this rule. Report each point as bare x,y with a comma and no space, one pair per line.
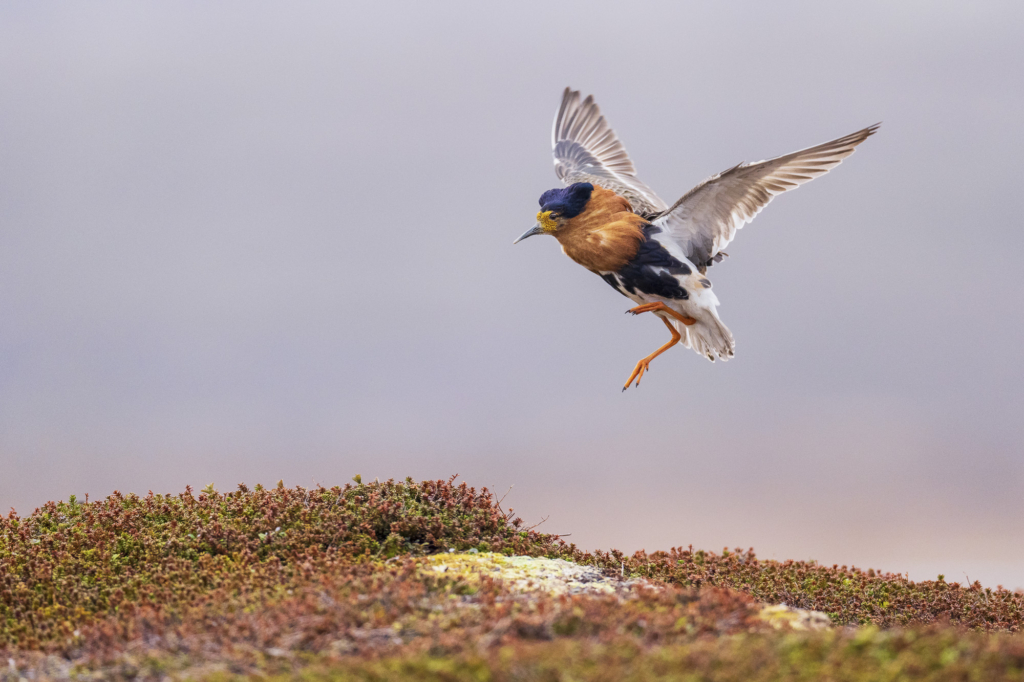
656,254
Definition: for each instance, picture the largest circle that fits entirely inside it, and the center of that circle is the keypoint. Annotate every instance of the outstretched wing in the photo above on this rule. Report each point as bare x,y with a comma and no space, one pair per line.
707,217
587,150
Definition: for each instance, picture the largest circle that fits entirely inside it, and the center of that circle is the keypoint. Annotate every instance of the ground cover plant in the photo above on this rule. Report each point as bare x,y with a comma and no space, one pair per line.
334,582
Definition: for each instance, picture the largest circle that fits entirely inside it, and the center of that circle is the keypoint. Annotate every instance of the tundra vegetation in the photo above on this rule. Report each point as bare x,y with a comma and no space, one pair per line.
404,580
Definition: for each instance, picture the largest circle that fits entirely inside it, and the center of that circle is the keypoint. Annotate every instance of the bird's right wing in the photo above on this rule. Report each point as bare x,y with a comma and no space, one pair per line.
587,150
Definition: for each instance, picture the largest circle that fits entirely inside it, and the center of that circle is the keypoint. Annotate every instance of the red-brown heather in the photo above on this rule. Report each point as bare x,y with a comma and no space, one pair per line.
335,574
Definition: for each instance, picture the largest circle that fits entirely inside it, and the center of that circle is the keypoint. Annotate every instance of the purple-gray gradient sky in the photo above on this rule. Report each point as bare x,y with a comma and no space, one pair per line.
254,241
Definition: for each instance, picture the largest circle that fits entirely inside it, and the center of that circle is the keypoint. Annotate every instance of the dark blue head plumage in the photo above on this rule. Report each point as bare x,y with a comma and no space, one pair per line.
567,202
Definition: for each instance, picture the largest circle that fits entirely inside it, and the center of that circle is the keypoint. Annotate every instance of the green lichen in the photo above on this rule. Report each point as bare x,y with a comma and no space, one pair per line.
525,574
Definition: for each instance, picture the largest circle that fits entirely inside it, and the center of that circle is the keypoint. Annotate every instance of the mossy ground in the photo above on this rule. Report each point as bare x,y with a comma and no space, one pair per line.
356,582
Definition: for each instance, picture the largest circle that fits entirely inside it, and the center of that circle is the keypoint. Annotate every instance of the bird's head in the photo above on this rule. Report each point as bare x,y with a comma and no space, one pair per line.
557,206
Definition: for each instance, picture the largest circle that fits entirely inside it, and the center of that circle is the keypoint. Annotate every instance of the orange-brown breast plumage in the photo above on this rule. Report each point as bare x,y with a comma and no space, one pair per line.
605,236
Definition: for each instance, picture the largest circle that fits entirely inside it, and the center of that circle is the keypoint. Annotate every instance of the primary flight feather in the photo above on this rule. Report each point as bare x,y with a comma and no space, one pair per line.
613,224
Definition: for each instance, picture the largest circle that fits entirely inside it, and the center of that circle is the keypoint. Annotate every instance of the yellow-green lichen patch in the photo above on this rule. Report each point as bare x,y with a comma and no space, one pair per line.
780,616
525,574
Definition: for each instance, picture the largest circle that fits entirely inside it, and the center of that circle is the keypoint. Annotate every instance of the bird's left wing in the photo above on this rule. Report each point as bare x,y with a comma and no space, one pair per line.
586,149
707,217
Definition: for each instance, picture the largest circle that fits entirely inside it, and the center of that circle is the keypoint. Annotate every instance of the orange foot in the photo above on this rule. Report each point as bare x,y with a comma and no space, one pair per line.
661,307
644,365
638,373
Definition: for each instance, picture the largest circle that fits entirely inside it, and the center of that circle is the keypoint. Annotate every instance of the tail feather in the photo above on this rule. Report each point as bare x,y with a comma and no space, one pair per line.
708,336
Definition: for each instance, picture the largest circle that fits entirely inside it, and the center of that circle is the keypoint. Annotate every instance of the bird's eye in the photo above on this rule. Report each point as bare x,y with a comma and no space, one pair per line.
554,216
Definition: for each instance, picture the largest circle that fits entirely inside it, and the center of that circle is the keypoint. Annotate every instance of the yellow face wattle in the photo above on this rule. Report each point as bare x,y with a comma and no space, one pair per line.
547,222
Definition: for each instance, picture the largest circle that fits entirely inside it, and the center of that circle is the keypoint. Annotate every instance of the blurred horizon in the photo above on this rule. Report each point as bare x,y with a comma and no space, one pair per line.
251,242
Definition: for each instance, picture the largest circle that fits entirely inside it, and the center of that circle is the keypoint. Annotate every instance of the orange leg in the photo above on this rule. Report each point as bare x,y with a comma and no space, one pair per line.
642,366
661,307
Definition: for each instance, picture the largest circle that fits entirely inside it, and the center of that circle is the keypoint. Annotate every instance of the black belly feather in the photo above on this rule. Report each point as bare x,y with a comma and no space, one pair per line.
651,271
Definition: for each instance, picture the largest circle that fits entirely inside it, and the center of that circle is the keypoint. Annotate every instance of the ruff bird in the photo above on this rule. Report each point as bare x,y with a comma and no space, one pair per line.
611,223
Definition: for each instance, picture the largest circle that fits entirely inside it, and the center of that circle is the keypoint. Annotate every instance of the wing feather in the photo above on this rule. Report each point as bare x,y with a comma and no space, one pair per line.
706,218
586,149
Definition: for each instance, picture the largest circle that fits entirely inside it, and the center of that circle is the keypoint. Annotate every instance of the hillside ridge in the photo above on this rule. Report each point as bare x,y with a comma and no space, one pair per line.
268,576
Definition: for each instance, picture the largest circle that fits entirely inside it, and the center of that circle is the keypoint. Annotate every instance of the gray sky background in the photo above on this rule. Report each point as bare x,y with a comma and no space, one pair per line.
252,241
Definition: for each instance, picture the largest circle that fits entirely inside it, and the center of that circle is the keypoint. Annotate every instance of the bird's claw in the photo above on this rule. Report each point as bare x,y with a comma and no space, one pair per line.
638,373
646,308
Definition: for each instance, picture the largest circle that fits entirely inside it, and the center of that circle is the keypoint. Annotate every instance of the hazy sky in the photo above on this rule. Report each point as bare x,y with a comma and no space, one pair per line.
250,241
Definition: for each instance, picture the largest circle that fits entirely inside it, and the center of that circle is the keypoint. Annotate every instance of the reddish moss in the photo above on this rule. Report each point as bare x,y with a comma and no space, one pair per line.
262,578
849,595
70,563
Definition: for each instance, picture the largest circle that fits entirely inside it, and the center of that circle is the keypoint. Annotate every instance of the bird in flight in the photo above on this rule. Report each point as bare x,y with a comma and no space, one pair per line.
611,223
